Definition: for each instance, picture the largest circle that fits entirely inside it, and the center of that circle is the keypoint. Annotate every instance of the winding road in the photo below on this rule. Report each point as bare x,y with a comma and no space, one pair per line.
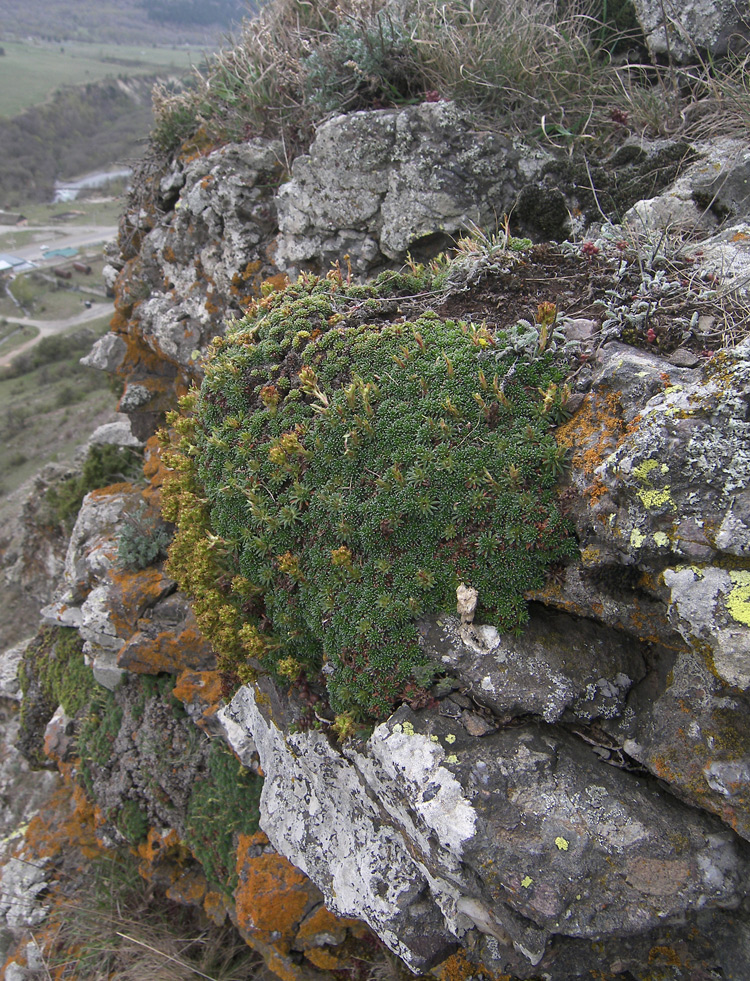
73,236
49,327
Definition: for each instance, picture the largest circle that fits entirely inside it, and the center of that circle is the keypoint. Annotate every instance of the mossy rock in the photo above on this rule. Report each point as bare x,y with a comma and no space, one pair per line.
52,672
223,805
338,479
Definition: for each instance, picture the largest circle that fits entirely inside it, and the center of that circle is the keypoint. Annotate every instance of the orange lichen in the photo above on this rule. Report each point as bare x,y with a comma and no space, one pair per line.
199,688
153,468
275,283
169,651
664,955
135,593
157,844
67,822
272,896
189,889
458,967
163,859
112,490
215,907
593,433
324,959
283,967
322,927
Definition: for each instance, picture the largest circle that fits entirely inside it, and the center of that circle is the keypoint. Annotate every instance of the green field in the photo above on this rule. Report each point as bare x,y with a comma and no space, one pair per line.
31,71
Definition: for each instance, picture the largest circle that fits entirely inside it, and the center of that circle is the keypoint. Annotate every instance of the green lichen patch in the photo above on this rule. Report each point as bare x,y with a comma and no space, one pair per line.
340,478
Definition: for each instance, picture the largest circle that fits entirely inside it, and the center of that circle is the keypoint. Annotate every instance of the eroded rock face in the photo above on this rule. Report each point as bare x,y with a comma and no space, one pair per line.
130,621
378,184
190,258
434,836
32,555
672,495
710,199
557,665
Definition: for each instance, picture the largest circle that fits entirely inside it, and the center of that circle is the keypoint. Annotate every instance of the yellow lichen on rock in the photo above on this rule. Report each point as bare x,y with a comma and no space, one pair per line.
738,601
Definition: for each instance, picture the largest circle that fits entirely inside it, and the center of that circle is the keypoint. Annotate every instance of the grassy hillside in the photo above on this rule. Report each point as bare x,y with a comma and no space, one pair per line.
49,404
31,71
79,130
574,76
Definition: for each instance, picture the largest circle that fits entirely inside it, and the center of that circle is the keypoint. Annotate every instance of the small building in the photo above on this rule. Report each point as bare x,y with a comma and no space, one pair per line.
14,264
12,218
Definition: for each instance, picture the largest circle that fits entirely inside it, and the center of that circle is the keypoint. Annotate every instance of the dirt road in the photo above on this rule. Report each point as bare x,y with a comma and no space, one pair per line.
49,327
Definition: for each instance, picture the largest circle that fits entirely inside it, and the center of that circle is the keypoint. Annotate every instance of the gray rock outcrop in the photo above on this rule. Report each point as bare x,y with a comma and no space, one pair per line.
521,837
694,29
376,185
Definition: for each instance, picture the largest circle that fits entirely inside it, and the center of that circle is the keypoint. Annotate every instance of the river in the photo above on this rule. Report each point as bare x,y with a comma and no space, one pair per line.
69,190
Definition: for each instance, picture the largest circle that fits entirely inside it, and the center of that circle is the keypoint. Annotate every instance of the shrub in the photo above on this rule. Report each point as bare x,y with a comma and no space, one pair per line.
105,464
340,479
143,539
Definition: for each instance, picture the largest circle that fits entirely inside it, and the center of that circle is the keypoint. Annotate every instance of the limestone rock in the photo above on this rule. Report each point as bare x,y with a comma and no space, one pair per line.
377,184
167,639
676,496
117,433
23,791
130,621
10,660
107,353
317,812
22,886
726,255
558,664
201,256
691,730
32,555
426,833
710,199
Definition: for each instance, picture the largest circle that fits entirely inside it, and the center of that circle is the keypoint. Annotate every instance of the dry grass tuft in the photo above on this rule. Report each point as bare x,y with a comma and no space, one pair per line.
118,927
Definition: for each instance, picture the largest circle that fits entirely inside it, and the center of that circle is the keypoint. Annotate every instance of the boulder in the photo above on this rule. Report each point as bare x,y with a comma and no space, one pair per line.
558,665
709,200
130,621
522,836
378,184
